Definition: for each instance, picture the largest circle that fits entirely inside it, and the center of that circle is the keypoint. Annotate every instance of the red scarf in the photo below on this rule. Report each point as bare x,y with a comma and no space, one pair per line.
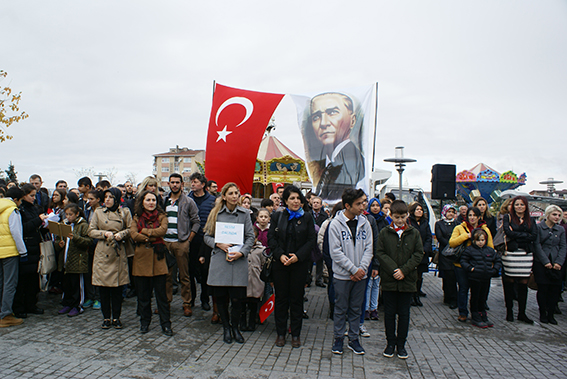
150,220
470,227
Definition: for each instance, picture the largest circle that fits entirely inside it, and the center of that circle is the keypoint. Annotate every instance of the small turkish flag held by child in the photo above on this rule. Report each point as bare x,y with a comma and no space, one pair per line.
267,308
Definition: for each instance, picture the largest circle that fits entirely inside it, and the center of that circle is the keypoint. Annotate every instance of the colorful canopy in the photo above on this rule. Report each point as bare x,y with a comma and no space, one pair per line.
482,180
278,164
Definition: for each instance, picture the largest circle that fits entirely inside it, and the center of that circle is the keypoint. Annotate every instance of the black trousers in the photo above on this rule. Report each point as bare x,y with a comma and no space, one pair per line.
548,296
111,302
449,286
144,287
73,290
197,271
396,303
479,295
25,298
289,285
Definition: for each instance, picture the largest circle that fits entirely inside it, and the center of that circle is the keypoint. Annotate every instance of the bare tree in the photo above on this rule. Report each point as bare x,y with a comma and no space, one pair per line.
111,174
85,171
131,176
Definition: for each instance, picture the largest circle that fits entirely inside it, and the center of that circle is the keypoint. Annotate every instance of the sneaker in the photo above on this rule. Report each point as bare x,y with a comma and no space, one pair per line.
106,324
374,314
402,353
389,351
367,315
338,346
356,347
96,304
117,324
87,304
363,331
65,310
479,324
75,312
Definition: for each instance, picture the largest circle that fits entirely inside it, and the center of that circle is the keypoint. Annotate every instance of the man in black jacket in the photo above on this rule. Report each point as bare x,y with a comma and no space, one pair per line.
319,215
41,198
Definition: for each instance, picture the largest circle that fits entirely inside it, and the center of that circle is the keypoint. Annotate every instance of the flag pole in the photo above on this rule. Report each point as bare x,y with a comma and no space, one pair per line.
214,85
375,127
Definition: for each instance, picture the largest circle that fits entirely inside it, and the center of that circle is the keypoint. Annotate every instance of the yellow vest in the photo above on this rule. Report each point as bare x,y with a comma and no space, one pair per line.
7,244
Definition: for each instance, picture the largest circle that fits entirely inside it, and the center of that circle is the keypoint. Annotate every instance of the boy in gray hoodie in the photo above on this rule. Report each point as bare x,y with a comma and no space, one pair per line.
350,247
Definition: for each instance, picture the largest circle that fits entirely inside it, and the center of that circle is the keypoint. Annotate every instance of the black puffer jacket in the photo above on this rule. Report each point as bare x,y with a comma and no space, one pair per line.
485,261
443,232
32,238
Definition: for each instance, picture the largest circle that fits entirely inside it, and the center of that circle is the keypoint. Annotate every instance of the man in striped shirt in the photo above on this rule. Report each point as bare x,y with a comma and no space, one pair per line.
183,225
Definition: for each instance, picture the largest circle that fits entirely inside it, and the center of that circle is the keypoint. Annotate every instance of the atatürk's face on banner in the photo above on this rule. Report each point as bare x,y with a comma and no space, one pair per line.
331,119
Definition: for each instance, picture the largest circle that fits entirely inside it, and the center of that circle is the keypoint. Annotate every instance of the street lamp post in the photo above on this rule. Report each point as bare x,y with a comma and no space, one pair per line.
400,163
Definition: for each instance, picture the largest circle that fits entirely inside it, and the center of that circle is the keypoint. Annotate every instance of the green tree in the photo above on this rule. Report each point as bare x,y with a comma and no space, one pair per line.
9,109
11,173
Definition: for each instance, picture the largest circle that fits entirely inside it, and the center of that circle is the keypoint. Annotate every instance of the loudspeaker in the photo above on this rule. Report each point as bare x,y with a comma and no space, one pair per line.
443,181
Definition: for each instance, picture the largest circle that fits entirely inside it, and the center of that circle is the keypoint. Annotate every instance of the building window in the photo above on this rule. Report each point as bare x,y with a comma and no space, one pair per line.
164,160
165,169
186,179
165,179
187,169
186,160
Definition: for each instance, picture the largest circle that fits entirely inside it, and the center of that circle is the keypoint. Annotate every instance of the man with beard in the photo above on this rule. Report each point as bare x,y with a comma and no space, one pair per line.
183,224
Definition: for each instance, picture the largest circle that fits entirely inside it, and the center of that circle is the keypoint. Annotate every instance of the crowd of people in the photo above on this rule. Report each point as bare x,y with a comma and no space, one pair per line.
128,241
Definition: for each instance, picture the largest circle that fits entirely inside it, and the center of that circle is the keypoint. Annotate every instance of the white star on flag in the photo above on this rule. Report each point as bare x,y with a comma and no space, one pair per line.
222,134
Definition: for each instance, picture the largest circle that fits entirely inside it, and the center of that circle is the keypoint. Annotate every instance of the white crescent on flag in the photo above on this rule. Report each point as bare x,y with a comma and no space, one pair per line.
246,103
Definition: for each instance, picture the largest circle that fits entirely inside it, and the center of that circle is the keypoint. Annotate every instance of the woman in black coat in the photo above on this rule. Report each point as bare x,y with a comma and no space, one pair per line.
25,300
549,259
418,220
521,231
443,231
291,238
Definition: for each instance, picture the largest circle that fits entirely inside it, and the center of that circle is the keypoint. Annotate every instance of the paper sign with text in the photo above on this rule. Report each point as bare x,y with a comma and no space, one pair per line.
226,232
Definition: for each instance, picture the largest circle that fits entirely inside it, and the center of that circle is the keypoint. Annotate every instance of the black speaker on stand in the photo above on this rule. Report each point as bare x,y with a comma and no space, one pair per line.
443,182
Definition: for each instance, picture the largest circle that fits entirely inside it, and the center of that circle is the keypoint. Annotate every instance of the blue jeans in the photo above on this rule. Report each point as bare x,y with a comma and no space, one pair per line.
372,293
463,295
8,283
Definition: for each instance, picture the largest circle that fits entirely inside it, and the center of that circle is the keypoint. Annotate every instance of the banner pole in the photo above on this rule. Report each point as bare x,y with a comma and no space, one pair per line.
214,85
375,127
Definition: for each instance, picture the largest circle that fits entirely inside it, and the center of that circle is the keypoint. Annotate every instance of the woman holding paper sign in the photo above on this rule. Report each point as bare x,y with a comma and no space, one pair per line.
228,271
291,238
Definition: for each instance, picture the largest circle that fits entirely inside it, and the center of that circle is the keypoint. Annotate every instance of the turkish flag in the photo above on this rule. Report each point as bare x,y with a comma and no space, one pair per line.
275,186
238,121
267,308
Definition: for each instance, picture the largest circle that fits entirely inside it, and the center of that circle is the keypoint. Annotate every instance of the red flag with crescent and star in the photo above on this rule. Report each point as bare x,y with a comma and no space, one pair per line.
267,308
238,121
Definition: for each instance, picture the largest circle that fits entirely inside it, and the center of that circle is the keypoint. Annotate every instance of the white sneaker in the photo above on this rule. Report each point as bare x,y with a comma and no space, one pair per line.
363,332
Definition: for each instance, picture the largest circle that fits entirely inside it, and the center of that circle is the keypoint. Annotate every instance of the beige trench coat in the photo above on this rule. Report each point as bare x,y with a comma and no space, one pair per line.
256,260
145,261
110,265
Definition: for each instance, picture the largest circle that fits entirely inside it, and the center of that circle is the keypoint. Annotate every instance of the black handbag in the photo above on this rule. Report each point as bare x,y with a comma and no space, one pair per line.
453,252
266,273
161,251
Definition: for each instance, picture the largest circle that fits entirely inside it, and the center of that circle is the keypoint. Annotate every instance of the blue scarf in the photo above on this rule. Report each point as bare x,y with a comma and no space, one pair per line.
293,214
378,215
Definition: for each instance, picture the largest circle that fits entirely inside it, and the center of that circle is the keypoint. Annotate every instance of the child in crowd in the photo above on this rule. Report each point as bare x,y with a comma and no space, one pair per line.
261,227
94,200
481,262
256,286
375,211
73,261
399,252
350,247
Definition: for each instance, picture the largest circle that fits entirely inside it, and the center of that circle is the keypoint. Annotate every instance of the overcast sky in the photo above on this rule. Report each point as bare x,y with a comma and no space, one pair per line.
110,83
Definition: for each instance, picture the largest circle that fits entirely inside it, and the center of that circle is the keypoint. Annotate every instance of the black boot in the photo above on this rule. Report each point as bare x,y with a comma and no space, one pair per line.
417,300
551,317
413,303
235,315
223,312
509,300
543,316
522,301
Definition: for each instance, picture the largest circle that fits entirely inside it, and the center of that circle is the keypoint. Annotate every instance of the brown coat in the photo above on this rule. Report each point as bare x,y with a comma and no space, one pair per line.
145,261
110,264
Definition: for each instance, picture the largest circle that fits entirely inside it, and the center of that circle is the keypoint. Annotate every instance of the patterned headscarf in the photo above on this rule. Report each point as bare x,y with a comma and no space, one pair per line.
446,208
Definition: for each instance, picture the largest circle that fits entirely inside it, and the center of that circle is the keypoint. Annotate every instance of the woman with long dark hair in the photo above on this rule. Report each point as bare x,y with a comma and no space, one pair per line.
149,267
111,227
521,231
228,270
462,234
549,259
418,220
291,237
25,300
485,214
